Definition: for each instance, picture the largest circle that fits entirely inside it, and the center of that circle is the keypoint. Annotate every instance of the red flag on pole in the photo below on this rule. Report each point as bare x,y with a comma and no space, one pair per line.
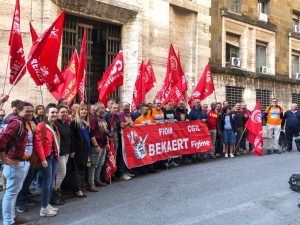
173,75
149,77
16,51
254,130
81,72
138,95
68,89
43,56
34,35
205,87
110,164
183,80
112,78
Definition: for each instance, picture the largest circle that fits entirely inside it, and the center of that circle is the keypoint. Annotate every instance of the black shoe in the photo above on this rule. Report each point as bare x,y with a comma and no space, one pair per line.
20,220
21,209
32,202
55,200
152,170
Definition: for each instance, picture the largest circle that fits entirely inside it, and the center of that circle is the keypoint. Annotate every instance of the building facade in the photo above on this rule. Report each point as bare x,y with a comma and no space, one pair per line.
255,50
143,29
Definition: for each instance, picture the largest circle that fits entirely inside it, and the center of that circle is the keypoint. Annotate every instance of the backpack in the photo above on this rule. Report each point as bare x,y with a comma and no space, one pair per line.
20,131
294,182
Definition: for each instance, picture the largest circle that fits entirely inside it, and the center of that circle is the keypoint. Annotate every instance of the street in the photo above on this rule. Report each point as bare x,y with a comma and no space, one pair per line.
244,190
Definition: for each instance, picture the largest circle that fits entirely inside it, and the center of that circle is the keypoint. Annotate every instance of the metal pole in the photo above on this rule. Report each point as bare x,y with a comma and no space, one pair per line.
41,95
5,74
235,147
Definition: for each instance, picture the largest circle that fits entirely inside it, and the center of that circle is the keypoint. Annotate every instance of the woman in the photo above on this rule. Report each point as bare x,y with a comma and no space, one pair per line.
47,146
39,114
65,150
84,145
229,130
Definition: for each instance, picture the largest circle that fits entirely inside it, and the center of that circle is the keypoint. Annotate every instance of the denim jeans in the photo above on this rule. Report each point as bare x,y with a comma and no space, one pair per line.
22,196
48,175
100,164
15,176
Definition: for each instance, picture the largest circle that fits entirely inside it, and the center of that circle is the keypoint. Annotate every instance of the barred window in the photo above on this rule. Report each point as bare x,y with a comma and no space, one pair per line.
296,99
264,97
261,55
234,95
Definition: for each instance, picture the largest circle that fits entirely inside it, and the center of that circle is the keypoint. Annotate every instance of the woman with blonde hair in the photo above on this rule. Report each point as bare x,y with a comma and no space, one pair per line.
83,144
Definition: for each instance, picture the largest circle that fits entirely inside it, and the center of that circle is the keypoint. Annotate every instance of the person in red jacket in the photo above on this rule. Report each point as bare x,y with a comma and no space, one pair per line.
47,144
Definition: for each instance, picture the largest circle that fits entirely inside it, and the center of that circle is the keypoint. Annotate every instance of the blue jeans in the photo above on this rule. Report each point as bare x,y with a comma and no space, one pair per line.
48,175
23,194
15,176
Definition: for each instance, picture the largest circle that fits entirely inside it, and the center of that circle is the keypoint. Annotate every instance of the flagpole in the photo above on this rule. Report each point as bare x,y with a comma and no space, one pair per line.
41,95
235,147
6,73
215,96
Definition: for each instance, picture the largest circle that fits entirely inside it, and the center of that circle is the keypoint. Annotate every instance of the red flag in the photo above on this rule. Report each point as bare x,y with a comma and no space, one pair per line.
254,130
112,78
110,164
68,89
43,56
173,75
34,35
176,95
138,95
16,51
149,77
205,86
81,72
183,80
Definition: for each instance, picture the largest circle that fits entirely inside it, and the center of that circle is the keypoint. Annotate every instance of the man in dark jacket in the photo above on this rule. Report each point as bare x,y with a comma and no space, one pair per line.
12,153
181,111
291,121
197,113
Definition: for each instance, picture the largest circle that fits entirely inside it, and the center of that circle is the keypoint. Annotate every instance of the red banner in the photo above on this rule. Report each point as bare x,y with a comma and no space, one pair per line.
147,144
110,163
81,72
149,77
138,95
16,50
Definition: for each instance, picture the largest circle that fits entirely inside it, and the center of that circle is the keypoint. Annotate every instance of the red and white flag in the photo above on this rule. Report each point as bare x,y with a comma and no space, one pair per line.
43,56
16,51
149,77
110,163
254,130
81,72
205,87
112,78
173,76
138,95
183,80
68,89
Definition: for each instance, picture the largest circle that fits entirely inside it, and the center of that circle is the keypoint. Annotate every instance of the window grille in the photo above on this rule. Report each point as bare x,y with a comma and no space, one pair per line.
234,95
296,99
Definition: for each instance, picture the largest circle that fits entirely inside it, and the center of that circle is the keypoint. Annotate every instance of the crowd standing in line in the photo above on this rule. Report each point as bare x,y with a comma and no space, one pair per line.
72,143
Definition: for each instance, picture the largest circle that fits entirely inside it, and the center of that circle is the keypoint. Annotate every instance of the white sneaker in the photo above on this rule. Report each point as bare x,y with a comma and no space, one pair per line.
231,155
47,212
53,208
125,177
226,155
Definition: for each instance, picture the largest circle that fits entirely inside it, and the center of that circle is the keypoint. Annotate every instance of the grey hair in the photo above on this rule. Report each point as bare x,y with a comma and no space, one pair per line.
97,106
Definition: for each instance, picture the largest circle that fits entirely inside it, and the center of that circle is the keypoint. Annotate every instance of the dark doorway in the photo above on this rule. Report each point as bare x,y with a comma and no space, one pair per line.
103,44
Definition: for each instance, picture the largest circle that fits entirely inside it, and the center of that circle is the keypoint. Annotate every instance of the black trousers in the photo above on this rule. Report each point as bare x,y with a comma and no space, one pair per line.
291,132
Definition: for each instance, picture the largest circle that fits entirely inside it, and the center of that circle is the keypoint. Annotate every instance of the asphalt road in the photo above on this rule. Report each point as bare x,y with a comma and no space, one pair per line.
244,190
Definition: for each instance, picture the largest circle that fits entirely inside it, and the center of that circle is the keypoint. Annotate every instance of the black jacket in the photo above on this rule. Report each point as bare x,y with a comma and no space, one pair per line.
65,137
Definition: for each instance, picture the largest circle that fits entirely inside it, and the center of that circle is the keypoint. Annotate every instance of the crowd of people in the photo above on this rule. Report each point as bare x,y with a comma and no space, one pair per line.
70,144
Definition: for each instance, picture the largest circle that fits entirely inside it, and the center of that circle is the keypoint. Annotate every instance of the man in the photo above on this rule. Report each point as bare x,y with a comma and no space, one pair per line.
110,104
246,114
205,107
181,111
156,112
212,127
273,115
169,114
239,120
14,106
219,138
291,121
99,127
137,113
12,153
197,113
125,121
145,118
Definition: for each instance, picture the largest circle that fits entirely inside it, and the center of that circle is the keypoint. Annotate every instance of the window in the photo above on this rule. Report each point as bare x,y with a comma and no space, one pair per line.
264,97
296,19
232,46
295,63
296,99
235,5
261,55
234,95
263,6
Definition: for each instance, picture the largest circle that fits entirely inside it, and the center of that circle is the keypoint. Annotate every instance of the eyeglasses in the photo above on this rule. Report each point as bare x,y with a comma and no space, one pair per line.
274,101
